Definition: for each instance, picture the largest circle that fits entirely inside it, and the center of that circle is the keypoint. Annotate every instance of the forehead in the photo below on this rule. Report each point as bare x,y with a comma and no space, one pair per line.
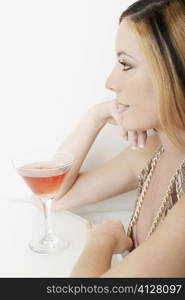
126,40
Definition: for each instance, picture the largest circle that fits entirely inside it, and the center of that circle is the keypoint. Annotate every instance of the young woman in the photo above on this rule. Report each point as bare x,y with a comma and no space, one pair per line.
149,84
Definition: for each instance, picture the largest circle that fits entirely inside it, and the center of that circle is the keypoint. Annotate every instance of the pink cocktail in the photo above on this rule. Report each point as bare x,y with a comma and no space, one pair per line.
45,176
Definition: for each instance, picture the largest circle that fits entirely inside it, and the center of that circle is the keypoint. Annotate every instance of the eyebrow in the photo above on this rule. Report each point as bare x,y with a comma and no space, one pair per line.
123,53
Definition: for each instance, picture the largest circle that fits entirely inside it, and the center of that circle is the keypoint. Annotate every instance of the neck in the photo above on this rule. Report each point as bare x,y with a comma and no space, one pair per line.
171,149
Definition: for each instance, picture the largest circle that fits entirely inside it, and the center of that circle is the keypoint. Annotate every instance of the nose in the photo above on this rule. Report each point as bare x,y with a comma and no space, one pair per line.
112,82
109,83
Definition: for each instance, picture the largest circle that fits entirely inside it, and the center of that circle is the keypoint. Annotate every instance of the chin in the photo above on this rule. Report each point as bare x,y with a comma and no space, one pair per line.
135,127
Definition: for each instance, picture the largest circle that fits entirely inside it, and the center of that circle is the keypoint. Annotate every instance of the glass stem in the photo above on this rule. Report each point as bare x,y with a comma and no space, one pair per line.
47,215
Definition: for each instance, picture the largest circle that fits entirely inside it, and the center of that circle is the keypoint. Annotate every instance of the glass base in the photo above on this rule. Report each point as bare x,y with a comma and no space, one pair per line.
49,246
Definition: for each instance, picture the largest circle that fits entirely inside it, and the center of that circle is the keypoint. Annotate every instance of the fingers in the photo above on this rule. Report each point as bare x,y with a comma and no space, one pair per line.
142,138
134,139
138,139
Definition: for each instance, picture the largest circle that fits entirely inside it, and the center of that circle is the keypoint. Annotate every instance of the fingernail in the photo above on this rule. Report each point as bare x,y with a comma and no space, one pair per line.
141,146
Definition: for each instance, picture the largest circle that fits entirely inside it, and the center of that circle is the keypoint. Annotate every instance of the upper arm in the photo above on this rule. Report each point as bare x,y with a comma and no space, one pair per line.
162,255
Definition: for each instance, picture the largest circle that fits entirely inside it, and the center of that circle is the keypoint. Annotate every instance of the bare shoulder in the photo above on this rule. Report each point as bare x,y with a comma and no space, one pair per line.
138,159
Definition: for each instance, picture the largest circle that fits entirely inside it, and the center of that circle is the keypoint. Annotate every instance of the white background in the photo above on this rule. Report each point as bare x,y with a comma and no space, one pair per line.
55,57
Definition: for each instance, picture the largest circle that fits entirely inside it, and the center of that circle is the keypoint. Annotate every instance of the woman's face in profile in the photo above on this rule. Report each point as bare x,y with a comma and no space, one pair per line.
131,81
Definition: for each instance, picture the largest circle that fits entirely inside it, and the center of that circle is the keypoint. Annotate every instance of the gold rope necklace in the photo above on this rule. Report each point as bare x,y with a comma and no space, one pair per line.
140,200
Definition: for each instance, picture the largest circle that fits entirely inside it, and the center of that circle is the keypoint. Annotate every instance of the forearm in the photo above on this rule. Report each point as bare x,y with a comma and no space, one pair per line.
95,258
78,143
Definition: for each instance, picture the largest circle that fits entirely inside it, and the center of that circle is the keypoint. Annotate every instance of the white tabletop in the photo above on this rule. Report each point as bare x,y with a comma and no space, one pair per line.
21,222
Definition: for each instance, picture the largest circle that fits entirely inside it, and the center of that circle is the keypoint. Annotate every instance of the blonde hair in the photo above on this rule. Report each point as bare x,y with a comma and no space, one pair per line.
160,28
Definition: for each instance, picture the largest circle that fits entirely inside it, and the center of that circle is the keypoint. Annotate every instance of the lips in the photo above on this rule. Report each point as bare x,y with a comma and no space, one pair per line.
122,107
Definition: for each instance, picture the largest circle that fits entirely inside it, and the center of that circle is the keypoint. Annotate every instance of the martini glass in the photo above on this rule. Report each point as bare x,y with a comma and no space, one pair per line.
44,175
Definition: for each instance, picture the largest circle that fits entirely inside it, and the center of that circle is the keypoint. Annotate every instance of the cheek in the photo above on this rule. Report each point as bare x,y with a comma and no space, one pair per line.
140,118
140,88
141,115
143,110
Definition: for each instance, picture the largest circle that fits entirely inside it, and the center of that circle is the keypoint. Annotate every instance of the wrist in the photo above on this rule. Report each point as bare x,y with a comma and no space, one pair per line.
99,118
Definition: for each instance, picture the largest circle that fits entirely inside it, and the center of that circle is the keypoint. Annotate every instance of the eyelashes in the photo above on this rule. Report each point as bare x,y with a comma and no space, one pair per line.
124,64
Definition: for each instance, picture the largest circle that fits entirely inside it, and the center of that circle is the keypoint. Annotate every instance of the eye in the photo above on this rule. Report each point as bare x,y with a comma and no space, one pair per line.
124,64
